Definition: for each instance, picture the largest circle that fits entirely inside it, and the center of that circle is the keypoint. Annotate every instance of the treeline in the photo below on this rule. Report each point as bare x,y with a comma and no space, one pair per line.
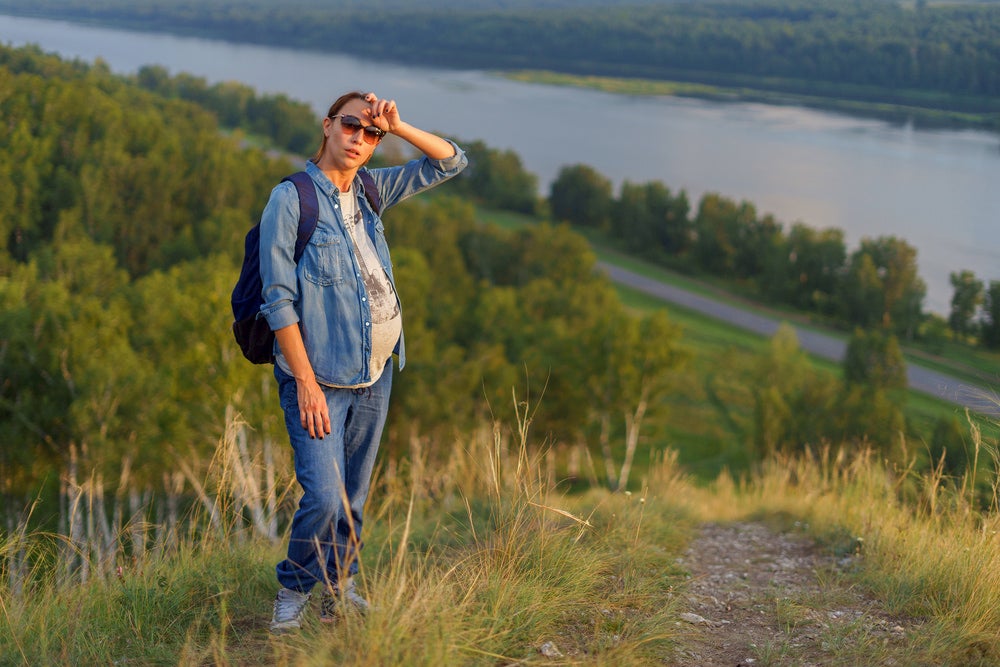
875,286
935,55
122,214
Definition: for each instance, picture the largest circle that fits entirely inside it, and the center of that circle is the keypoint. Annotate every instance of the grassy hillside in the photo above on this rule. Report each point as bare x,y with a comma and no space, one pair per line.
484,560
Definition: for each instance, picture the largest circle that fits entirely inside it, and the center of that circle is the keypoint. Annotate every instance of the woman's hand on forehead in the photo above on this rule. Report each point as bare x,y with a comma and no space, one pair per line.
382,113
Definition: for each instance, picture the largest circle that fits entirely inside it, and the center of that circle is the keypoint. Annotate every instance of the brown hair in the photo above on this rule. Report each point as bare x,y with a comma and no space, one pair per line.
335,108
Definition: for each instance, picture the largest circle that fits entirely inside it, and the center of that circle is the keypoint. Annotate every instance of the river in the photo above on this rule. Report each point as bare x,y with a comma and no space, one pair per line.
939,190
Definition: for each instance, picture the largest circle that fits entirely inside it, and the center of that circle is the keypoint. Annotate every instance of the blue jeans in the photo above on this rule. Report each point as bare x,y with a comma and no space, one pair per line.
340,463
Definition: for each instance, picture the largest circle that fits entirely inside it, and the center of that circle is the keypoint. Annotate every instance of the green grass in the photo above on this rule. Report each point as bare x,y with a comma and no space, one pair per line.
925,108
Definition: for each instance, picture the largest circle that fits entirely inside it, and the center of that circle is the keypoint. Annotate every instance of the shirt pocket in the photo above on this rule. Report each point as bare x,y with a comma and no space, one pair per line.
324,257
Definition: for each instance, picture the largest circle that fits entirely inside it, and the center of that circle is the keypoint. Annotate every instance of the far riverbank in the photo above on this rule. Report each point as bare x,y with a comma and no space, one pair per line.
935,113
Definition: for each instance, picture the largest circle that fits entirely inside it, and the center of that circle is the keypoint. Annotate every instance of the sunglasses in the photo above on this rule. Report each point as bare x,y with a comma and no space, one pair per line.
350,125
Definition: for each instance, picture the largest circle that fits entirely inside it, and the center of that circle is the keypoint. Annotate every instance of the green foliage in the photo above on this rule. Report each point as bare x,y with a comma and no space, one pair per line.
782,377
965,301
991,316
730,241
497,179
949,445
874,380
116,285
488,310
804,268
874,359
581,196
287,124
934,333
101,158
652,222
882,287
118,242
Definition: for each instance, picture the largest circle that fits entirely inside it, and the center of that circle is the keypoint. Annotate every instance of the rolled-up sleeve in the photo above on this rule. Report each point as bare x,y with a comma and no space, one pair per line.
278,232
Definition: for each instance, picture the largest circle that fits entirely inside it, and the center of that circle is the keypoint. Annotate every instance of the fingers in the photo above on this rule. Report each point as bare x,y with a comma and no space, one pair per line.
314,413
380,107
317,424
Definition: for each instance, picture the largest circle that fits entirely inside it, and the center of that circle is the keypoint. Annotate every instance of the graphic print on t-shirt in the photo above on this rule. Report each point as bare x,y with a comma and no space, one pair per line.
382,299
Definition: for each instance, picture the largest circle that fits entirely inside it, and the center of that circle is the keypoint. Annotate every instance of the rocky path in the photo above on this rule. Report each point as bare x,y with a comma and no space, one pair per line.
758,597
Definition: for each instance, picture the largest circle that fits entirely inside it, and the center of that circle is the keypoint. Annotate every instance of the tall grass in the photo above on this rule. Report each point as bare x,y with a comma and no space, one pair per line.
476,556
928,547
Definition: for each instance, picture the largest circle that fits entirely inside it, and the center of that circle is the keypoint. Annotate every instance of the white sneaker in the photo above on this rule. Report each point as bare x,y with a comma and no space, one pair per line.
346,594
288,608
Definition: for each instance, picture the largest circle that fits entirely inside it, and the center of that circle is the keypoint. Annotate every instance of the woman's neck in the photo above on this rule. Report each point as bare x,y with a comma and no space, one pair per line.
340,178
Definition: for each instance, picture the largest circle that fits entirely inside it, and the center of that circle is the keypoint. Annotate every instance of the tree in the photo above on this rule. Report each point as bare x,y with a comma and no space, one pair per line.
965,301
498,179
882,287
805,269
723,236
874,359
781,375
626,374
862,302
869,407
651,221
866,415
991,316
581,196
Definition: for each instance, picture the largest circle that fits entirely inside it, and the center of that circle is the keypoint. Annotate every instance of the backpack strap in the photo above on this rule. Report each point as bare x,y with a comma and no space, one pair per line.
371,191
309,205
308,210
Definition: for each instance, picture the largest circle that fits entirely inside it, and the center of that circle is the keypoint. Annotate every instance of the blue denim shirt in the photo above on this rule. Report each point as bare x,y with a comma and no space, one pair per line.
325,292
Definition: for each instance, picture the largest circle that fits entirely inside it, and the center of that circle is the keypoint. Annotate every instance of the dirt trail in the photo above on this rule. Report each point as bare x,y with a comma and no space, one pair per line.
758,597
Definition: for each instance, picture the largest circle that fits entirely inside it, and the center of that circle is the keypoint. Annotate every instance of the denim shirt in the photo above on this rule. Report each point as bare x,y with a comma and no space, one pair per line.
325,293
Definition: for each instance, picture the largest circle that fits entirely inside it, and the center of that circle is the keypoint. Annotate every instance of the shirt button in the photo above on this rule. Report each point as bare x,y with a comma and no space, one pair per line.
367,324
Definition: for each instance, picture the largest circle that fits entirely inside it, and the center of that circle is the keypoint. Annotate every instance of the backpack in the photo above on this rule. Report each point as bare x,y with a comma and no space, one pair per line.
252,332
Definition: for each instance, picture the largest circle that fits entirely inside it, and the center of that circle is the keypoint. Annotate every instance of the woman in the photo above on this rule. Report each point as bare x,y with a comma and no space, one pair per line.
336,319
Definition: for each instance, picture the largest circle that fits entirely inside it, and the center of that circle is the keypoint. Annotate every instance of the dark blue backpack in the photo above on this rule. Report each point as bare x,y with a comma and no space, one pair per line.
251,330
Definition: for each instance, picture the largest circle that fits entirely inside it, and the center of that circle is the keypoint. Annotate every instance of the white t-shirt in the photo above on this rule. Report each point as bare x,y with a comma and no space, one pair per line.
387,323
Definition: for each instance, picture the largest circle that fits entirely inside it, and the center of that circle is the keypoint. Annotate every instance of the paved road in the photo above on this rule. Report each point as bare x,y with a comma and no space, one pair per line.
977,399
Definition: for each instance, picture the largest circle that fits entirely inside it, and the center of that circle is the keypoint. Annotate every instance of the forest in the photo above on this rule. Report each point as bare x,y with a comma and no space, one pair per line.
122,212
942,56
122,221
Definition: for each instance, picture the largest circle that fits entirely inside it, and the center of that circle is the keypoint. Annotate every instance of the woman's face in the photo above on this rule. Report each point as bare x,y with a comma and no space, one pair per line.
348,147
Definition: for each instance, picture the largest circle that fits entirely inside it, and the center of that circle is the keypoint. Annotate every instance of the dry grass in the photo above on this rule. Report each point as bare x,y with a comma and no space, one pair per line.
478,558
929,543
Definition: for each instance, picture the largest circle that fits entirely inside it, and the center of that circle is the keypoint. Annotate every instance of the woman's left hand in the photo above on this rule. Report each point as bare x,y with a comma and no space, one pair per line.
382,113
